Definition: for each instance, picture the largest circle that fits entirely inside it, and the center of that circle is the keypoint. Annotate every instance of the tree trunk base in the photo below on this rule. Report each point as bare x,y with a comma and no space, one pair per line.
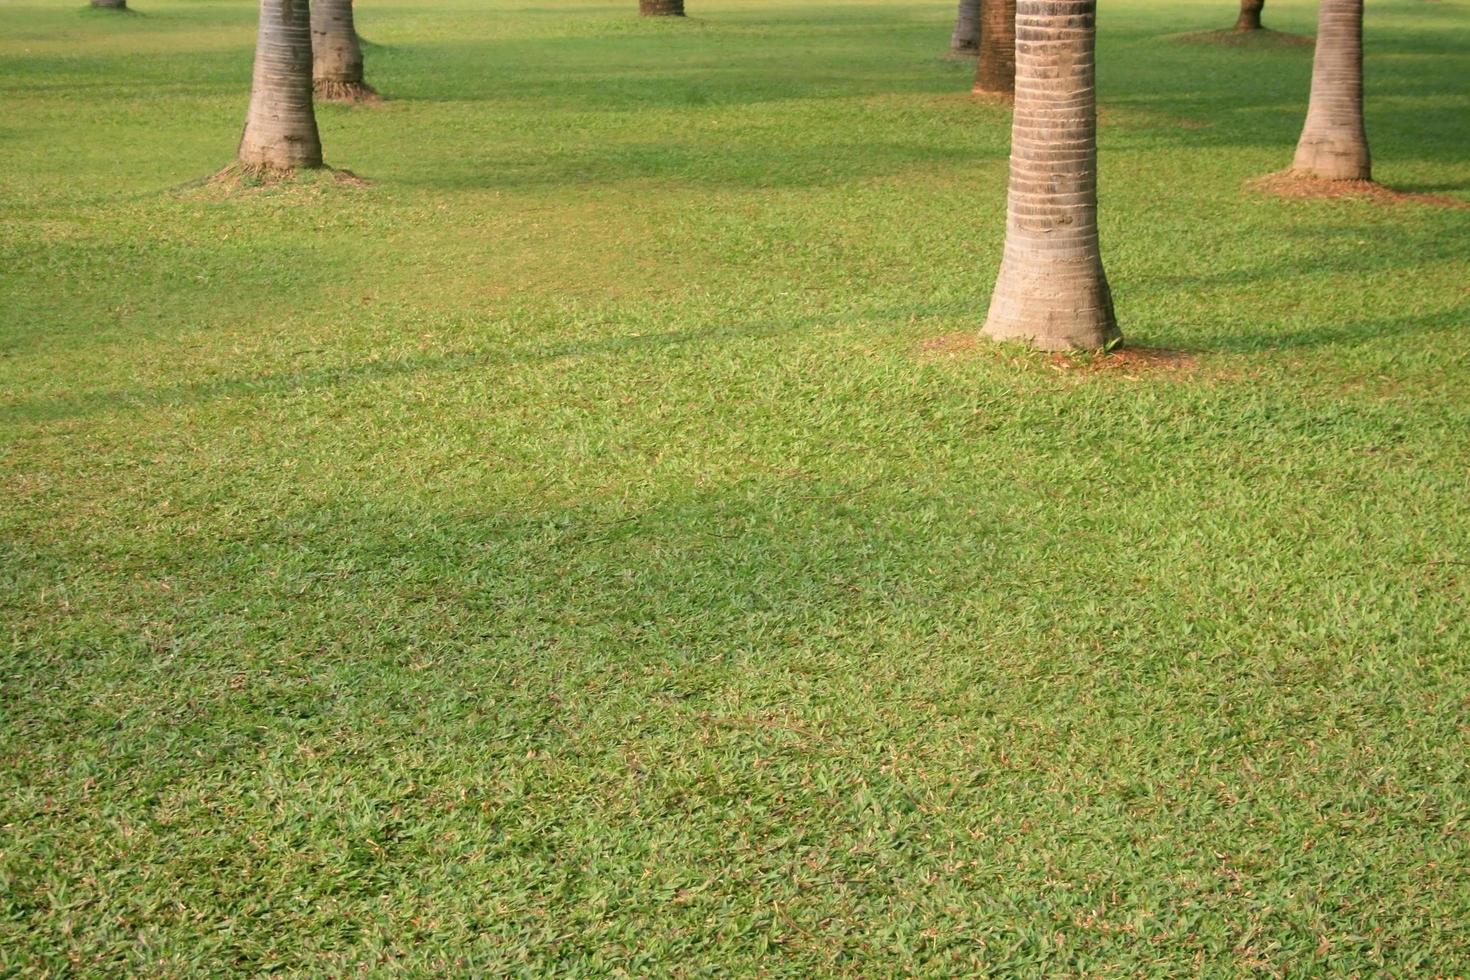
1102,336
356,93
111,5
661,8
1329,157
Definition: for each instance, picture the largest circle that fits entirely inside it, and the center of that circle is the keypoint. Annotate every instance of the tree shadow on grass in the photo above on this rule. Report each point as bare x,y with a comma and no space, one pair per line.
1346,333
287,383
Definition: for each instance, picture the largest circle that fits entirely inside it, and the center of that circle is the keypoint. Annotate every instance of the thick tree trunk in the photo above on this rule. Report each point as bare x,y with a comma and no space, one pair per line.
336,70
1334,143
1250,15
280,127
1052,291
966,36
110,4
661,8
996,72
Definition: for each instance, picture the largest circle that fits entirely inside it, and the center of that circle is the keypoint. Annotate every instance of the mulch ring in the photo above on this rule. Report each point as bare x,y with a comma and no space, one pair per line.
1297,186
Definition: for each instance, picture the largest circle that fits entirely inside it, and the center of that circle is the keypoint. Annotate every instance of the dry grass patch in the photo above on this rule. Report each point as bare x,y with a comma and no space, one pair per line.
238,178
1231,38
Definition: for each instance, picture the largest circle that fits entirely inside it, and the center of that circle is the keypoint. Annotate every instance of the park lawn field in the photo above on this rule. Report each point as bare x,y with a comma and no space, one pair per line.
597,544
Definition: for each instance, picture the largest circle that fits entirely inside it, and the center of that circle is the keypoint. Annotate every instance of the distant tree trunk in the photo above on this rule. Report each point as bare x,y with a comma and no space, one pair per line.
661,8
1052,291
1334,143
996,72
336,71
1250,15
110,4
966,36
280,127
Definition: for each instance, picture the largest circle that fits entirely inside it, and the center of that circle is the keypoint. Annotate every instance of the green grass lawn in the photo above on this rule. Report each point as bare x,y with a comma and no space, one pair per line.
573,551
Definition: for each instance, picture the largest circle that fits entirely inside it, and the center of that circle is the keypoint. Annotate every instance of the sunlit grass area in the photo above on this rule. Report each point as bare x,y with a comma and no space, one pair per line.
594,545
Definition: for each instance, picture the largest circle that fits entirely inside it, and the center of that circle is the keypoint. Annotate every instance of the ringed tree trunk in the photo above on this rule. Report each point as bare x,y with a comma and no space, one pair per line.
996,72
1334,143
1250,15
661,8
336,70
966,36
280,126
1052,291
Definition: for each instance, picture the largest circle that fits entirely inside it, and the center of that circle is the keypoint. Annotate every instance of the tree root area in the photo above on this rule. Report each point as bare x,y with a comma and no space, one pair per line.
1125,362
354,93
1263,38
242,178
1290,184
993,98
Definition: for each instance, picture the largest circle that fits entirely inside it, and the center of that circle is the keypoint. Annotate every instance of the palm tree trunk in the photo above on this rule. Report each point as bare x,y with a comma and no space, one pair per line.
966,36
661,8
1052,291
336,70
280,127
1334,143
996,72
1250,15
110,4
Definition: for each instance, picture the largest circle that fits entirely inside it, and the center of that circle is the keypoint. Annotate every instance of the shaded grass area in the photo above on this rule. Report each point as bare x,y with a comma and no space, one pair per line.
568,553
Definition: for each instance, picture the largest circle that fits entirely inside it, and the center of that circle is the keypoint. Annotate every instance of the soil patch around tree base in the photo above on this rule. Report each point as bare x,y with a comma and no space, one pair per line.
1133,363
240,179
1289,184
1264,38
993,98
351,93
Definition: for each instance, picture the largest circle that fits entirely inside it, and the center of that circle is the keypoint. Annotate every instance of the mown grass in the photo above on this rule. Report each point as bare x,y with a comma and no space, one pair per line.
570,553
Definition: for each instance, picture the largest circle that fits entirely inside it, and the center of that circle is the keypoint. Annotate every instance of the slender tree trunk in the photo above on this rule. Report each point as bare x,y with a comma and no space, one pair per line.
336,70
966,36
280,127
1334,143
110,4
661,8
996,72
1052,291
1250,15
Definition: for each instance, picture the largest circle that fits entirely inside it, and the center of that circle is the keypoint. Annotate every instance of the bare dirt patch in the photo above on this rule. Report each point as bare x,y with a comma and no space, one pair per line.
1299,186
238,179
993,98
1128,362
1245,39
1124,362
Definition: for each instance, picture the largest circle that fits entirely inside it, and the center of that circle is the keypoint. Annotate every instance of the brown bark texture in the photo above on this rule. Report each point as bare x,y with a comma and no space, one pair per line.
280,126
1334,143
995,74
1052,292
661,8
1250,15
111,4
336,68
966,36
